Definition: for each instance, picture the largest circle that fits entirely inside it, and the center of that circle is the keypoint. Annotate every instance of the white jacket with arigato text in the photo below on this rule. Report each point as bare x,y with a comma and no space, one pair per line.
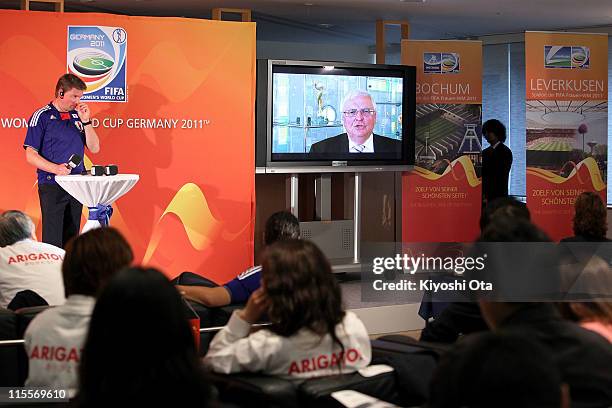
54,341
303,355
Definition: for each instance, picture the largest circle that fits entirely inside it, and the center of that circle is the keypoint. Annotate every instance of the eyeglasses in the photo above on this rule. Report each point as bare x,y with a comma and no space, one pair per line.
351,113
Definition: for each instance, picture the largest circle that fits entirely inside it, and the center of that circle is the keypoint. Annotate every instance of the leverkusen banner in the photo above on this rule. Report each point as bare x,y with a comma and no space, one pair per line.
441,197
567,124
173,101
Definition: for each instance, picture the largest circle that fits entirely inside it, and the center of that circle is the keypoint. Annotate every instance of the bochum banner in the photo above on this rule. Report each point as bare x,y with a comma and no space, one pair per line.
442,196
567,124
172,100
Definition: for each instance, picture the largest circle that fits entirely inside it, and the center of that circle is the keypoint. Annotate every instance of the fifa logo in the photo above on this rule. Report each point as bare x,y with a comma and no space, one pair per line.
98,56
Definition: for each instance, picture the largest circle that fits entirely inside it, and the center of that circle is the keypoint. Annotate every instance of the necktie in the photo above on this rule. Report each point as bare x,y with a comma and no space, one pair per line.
358,149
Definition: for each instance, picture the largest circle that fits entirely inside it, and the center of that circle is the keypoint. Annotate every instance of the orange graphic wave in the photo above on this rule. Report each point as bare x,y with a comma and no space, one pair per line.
468,171
191,207
176,91
590,166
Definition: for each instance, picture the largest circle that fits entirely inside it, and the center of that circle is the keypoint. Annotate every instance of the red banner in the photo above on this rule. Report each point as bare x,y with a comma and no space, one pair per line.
567,124
173,101
441,197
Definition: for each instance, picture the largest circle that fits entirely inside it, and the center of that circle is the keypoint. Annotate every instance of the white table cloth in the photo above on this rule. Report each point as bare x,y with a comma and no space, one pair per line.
93,190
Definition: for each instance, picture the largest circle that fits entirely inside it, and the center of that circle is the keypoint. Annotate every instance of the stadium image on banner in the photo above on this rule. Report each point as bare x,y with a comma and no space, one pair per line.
561,134
98,55
445,132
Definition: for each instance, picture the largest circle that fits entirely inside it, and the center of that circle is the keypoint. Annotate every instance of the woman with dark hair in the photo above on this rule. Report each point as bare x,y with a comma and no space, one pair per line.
586,277
590,220
590,282
311,335
140,350
54,339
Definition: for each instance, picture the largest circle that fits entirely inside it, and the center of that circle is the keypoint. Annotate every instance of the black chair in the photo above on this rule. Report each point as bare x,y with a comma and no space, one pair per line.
255,390
414,363
263,390
9,371
26,298
317,392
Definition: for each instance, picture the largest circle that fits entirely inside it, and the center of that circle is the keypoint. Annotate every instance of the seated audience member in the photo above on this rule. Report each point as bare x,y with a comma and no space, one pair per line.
464,317
583,357
590,219
280,226
140,350
584,273
508,206
592,291
487,370
26,264
311,334
54,339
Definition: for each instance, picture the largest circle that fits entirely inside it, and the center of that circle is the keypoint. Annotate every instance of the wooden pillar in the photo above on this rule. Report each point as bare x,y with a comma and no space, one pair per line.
390,228
245,14
58,4
380,36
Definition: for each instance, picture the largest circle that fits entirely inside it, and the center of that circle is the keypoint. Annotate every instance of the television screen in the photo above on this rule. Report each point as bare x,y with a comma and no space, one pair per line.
331,114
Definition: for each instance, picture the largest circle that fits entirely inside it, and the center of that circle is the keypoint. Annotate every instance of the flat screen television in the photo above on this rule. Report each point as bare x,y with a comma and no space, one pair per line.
317,116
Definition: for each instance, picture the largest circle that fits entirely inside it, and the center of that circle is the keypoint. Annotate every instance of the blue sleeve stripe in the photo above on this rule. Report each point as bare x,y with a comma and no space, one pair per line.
37,114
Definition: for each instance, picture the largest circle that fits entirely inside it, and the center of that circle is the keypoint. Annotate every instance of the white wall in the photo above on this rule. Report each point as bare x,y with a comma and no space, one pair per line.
315,52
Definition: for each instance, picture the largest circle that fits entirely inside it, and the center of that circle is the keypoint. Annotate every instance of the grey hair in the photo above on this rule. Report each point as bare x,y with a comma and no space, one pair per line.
15,226
354,94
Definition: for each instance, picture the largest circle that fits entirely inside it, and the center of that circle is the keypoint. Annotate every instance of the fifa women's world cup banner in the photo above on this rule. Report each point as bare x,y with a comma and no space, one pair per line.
441,197
567,124
172,100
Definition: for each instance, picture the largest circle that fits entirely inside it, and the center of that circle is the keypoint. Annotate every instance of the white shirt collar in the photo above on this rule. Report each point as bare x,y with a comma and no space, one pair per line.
496,144
369,145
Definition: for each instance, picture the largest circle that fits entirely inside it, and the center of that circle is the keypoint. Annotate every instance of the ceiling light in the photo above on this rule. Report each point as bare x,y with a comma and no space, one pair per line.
328,67
325,25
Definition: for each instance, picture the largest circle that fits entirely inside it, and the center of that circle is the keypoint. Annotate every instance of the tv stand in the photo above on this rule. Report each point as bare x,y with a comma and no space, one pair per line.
340,240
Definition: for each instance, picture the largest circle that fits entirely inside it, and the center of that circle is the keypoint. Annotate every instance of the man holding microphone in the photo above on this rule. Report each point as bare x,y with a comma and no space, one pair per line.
55,132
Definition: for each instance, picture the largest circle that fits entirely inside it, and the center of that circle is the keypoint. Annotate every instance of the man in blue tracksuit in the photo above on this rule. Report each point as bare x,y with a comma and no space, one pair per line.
280,226
55,132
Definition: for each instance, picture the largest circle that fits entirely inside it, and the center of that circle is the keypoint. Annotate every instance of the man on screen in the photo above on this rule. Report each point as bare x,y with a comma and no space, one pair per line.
358,118
55,132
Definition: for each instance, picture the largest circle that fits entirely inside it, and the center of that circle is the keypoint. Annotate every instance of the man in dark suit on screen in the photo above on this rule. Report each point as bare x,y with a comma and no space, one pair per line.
496,162
358,118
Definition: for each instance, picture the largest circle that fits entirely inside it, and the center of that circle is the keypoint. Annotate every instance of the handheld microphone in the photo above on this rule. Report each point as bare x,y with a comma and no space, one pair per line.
74,161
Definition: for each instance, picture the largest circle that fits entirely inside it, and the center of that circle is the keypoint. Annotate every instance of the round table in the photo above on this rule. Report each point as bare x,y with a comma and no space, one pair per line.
96,191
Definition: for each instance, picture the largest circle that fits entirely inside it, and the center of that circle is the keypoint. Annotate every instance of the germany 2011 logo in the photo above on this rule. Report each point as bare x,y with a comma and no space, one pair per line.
98,55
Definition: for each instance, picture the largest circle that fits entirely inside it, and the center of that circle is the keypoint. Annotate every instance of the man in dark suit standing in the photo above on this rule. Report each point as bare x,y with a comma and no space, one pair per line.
496,162
358,118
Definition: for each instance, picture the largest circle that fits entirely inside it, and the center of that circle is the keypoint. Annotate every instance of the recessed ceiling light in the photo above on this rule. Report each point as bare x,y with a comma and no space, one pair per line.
325,25
412,1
